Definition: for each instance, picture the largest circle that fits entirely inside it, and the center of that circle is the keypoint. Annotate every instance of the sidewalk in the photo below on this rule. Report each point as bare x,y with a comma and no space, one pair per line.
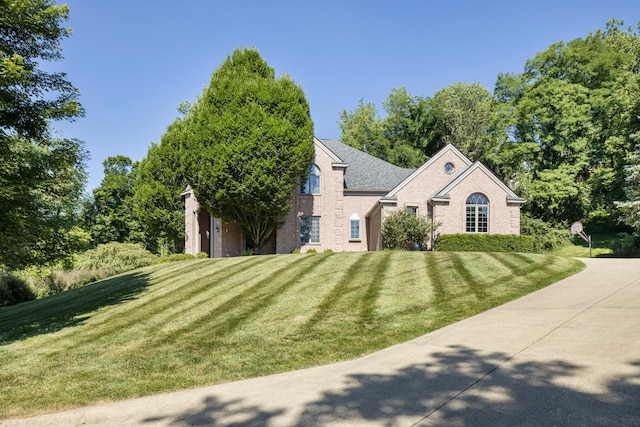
566,355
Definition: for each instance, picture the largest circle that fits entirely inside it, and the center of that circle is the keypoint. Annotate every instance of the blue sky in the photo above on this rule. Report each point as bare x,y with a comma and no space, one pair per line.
134,62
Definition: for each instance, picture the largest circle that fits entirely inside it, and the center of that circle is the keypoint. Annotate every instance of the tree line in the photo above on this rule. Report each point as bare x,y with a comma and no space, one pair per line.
563,133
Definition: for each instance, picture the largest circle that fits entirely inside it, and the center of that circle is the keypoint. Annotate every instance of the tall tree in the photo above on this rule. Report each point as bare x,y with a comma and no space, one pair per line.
30,32
363,129
40,190
630,208
41,177
110,215
461,115
157,201
245,143
396,138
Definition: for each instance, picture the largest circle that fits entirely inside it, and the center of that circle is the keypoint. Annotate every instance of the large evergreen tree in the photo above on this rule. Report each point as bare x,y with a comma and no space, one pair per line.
245,143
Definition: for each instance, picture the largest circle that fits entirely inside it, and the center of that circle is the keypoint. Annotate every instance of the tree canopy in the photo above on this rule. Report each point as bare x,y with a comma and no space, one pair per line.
41,177
245,143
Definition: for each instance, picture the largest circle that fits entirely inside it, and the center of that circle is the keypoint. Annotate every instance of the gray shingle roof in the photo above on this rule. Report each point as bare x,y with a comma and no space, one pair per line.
365,172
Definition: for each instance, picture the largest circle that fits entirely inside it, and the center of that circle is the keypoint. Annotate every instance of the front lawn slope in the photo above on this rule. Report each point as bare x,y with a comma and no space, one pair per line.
179,325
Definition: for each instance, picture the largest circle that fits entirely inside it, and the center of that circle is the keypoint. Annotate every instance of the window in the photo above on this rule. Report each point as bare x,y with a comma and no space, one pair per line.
412,209
310,229
477,213
354,227
449,168
312,184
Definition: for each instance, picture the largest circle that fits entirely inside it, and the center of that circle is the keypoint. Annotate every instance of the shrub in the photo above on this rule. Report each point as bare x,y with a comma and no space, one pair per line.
312,251
115,258
328,251
45,281
202,255
405,230
296,251
626,245
14,290
247,252
174,257
545,236
484,243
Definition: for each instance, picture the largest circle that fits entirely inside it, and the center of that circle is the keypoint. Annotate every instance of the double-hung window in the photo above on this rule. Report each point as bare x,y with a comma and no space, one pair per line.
310,229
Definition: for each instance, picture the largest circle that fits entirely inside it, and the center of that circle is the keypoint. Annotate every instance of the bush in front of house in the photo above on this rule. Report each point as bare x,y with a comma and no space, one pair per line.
14,290
545,236
404,230
484,243
115,258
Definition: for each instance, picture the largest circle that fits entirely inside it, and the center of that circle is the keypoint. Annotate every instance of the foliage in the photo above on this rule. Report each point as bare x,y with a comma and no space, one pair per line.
484,243
415,127
245,143
626,245
47,281
569,123
407,231
311,251
214,322
115,258
545,236
40,188
630,209
31,31
460,115
157,202
14,290
110,215
202,255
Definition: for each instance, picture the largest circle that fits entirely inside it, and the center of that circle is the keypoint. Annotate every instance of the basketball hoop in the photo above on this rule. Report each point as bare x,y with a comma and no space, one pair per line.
576,228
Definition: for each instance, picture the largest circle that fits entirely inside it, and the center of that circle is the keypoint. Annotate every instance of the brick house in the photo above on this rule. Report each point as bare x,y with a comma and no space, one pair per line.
348,194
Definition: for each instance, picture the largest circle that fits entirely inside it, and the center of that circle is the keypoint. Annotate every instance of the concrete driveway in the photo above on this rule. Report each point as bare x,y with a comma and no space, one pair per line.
566,355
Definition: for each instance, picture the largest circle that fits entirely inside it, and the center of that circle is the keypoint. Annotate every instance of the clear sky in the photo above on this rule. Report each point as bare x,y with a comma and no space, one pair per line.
134,62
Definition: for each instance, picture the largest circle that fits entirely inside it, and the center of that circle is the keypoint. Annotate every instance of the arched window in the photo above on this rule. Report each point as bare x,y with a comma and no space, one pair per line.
312,184
477,213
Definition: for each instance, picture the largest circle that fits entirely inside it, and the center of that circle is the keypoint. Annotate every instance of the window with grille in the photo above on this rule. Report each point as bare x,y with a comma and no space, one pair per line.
310,229
477,217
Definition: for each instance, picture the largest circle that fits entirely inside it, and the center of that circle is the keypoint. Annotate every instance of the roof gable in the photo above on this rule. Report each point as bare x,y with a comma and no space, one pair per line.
444,191
447,149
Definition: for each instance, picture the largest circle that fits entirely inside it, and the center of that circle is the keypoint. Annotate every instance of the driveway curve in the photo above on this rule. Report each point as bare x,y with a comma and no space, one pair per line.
568,354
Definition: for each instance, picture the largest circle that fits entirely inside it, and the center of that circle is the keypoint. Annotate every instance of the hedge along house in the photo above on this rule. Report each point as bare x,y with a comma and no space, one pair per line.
343,202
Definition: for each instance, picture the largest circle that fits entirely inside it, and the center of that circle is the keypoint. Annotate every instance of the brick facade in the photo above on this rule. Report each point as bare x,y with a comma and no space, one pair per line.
439,188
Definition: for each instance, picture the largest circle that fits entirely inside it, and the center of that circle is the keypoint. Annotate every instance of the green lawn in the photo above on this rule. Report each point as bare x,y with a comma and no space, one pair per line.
600,246
186,324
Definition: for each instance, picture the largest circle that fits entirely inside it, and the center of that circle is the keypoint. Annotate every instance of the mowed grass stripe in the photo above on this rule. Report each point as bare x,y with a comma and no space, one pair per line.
142,315
224,318
341,299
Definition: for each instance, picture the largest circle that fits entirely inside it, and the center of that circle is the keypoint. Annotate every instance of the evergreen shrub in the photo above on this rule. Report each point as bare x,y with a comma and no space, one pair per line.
484,243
